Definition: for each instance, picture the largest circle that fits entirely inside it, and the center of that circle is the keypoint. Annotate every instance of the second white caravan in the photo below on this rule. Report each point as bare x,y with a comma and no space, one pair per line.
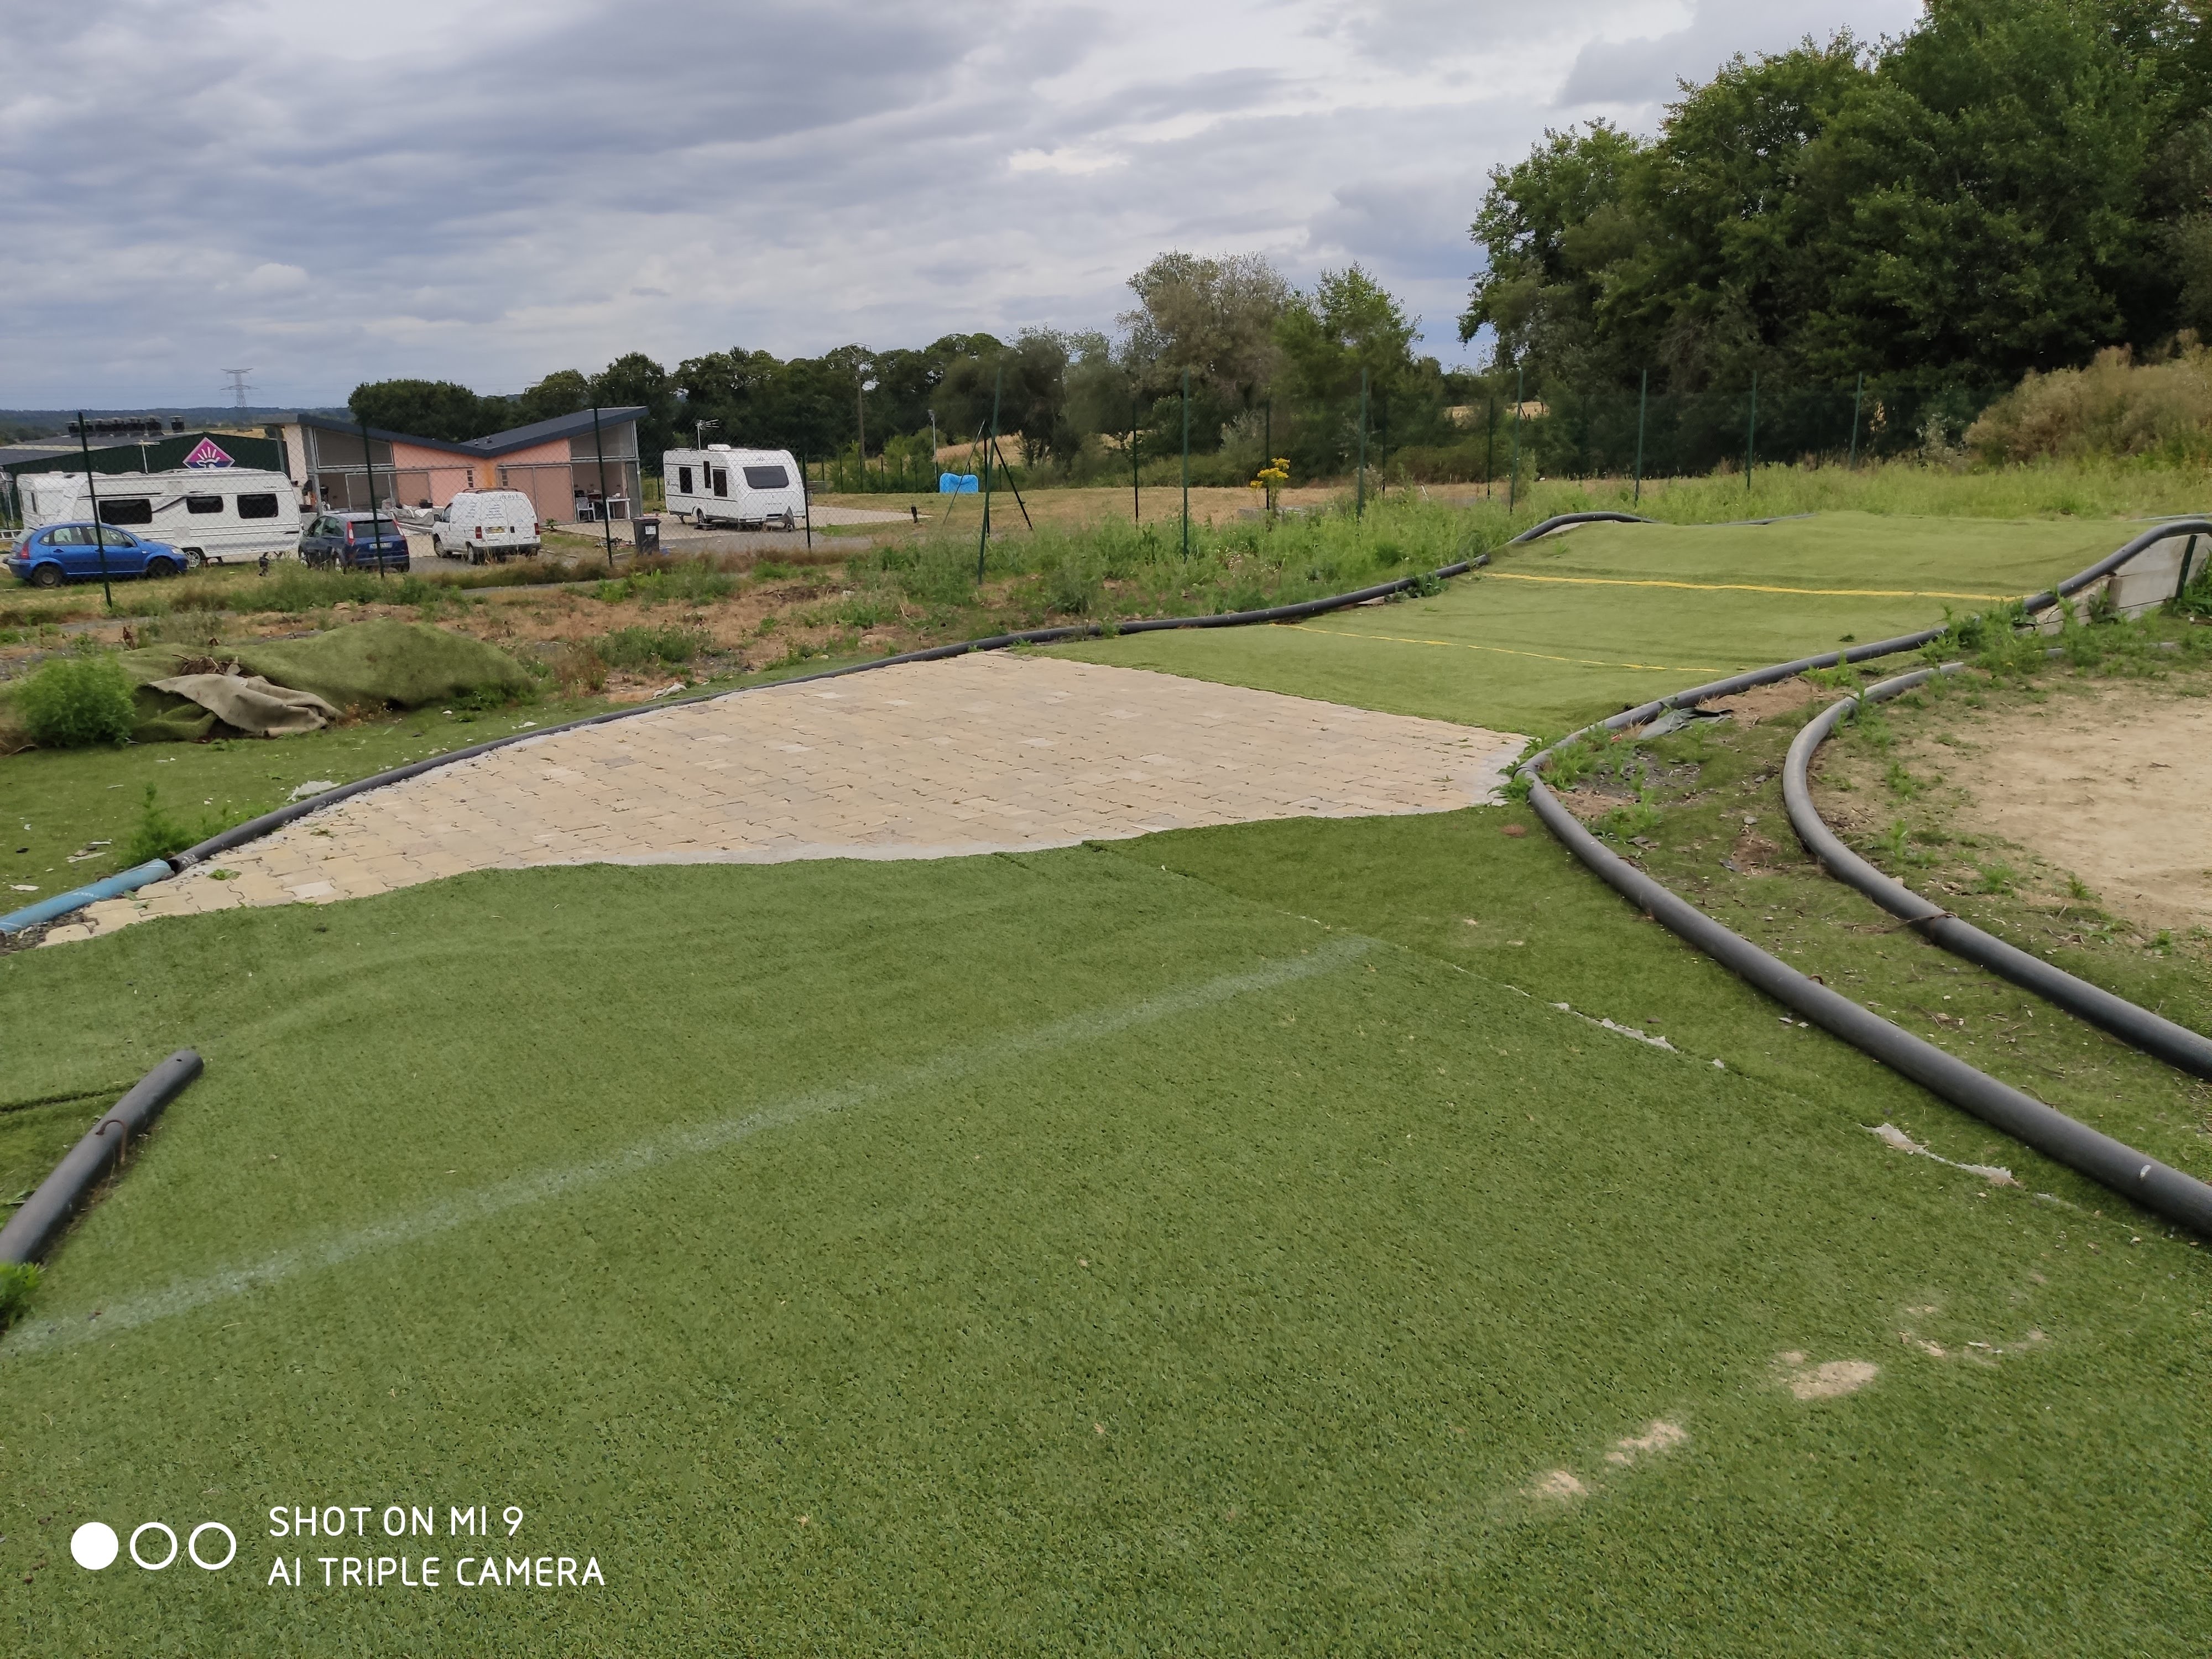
748,488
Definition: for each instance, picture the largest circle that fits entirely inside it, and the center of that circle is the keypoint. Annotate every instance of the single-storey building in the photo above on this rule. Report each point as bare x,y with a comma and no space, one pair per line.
573,466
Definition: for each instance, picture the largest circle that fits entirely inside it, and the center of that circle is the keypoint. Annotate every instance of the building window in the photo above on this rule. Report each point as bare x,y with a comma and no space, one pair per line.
127,509
255,506
766,478
203,504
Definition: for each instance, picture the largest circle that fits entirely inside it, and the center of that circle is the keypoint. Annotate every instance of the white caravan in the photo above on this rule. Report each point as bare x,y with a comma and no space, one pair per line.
225,515
750,489
485,524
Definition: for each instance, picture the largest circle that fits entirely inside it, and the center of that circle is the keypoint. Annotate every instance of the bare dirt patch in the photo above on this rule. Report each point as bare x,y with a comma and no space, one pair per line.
2113,783
1828,1381
1659,1438
1561,1486
1764,702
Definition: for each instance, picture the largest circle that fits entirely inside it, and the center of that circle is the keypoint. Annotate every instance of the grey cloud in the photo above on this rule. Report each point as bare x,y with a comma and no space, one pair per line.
1642,73
682,176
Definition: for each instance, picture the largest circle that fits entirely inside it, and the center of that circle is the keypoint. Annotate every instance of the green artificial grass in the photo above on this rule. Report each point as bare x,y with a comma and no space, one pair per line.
1070,1254
1499,649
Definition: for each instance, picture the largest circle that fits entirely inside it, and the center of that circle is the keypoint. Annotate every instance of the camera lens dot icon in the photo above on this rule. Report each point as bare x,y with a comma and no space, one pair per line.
94,1546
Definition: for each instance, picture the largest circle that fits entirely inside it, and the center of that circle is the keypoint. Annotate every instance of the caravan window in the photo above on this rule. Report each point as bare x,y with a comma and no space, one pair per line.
766,477
721,478
203,504
127,509
257,507
684,481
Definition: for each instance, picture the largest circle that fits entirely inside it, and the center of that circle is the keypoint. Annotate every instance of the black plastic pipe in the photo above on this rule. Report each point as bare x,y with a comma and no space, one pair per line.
2177,1045
32,1230
2155,1186
2105,565
2164,1190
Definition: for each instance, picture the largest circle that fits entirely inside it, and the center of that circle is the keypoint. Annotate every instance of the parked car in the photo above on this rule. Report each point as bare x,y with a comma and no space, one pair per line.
486,524
353,541
57,553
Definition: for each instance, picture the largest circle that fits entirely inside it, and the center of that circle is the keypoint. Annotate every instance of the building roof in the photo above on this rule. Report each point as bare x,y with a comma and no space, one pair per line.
499,443
157,454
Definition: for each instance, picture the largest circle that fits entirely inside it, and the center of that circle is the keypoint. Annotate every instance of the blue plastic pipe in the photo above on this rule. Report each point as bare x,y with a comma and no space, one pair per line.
62,903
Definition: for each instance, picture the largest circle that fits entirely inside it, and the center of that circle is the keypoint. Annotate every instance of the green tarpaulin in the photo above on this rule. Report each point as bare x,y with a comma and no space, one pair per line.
359,669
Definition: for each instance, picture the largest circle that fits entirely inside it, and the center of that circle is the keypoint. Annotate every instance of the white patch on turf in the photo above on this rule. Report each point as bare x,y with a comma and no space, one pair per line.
413,1226
1890,1134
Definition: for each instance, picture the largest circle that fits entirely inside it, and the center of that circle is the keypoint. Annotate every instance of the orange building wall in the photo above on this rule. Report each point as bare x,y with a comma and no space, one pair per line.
448,474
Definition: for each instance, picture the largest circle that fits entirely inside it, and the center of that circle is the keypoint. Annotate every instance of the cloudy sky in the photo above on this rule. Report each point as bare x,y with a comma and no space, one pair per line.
479,191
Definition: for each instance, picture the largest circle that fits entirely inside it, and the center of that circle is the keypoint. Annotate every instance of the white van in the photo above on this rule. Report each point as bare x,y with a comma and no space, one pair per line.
225,515
485,524
750,489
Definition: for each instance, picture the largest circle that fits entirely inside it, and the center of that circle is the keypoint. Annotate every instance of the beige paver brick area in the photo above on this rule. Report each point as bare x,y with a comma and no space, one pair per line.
978,754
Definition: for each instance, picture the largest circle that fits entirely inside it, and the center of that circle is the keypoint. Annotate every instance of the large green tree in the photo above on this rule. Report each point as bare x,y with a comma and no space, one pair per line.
2012,183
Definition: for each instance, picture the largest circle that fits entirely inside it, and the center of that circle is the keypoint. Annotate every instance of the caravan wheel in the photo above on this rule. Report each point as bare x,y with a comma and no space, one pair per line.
193,557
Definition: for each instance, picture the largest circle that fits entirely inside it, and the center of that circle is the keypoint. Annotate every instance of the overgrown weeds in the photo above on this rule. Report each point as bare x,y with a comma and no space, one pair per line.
18,1281
638,647
160,834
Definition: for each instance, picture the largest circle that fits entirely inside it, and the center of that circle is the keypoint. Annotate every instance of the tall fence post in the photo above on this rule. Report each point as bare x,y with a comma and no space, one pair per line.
1360,506
1643,402
1751,435
1136,478
1185,463
599,449
1490,446
98,528
375,524
983,536
1520,397
1859,392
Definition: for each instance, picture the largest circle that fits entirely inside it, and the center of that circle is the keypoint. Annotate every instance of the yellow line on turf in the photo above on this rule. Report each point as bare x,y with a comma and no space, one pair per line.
1746,587
1505,651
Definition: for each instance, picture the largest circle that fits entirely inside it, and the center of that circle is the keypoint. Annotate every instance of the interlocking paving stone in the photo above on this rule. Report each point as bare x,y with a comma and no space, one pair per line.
985,753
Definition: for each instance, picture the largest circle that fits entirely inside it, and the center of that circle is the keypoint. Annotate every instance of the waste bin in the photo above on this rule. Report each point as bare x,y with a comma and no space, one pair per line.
647,531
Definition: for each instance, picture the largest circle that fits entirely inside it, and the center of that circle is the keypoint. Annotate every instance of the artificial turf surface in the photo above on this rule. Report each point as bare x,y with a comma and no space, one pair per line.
1211,1242
1068,1254
1554,634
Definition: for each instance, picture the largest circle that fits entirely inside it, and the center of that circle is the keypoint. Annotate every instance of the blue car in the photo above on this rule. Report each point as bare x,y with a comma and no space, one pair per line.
353,541
58,553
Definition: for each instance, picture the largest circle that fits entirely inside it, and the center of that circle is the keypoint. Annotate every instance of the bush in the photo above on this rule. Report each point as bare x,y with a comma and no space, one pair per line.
74,703
2116,406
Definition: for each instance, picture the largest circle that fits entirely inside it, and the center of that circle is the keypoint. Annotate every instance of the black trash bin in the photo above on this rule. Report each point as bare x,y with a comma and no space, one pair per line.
647,532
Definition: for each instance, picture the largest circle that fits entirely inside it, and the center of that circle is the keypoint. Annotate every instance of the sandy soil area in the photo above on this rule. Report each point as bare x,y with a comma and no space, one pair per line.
2114,784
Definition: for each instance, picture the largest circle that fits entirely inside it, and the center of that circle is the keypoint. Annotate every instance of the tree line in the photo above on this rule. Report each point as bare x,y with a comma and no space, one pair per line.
1269,367
2010,185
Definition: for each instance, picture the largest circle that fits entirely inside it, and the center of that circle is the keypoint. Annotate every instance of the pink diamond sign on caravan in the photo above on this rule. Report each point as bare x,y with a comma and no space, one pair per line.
207,456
